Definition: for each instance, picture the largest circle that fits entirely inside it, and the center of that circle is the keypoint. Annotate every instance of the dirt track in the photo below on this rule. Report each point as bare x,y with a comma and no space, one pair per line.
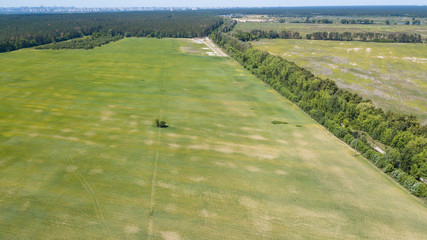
208,42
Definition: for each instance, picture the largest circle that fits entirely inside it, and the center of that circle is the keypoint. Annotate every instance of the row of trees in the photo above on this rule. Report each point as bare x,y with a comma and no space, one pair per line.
368,36
322,21
258,34
96,40
336,36
21,31
357,21
342,112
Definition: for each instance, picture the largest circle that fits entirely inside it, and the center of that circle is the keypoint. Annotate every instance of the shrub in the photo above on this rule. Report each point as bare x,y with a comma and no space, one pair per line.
160,124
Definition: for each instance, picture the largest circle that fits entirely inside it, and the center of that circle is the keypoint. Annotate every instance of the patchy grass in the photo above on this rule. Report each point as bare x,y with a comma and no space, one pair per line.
80,158
393,75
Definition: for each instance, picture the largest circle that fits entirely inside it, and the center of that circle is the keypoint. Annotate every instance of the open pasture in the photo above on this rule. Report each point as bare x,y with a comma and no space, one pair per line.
393,75
80,158
306,28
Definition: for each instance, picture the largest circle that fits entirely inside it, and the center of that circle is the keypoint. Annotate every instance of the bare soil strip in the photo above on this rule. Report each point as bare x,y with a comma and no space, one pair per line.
208,42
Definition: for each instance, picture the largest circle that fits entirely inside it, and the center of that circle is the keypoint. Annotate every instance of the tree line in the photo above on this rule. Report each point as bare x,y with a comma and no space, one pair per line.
357,21
320,21
22,31
336,36
95,40
368,36
342,113
354,11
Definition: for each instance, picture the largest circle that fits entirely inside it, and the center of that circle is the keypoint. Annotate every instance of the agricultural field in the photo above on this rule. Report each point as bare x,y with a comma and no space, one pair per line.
81,159
305,28
393,75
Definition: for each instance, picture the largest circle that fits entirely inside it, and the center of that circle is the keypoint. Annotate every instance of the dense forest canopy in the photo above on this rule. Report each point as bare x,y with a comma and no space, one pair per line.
20,31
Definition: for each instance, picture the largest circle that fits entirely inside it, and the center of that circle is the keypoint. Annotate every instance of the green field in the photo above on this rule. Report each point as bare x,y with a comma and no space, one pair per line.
80,159
305,28
393,75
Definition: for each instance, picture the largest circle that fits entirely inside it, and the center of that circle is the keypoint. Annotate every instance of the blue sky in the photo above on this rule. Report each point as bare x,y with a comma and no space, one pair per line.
203,3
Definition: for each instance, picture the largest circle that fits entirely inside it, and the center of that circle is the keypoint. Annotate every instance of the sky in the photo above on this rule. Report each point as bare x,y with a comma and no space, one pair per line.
203,3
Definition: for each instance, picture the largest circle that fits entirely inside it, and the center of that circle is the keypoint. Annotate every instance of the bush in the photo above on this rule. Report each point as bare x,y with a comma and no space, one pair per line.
160,124
388,168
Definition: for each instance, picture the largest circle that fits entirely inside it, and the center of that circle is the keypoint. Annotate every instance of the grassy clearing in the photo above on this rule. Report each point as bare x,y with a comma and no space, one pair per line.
393,75
80,158
304,28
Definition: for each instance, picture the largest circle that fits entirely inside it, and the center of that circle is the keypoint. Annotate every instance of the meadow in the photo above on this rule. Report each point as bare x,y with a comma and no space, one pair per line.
393,75
81,159
306,28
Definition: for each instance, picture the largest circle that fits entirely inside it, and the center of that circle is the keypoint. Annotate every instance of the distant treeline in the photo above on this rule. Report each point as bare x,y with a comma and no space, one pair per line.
342,113
354,11
96,40
21,31
321,21
345,36
357,21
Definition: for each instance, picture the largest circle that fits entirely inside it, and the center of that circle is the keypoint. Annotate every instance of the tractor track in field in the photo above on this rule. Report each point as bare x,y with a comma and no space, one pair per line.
95,203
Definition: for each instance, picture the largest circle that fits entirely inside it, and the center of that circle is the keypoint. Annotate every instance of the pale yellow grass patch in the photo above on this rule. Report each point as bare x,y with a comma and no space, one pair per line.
252,169
257,137
71,168
280,172
208,214
25,206
174,145
301,142
197,179
168,235
297,135
105,115
281,141
96,171
225,164
251,129
260,221
170,208
224,149
166,185
199,146
140,182
131,229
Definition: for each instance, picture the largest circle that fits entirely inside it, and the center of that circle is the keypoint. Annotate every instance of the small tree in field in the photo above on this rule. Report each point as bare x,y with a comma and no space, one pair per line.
160,124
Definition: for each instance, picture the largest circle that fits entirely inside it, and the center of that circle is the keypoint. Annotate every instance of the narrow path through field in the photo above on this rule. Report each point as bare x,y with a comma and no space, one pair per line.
208,42
150,227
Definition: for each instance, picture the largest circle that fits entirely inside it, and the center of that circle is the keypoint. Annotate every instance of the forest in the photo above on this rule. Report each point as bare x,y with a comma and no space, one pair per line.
22,31
343,113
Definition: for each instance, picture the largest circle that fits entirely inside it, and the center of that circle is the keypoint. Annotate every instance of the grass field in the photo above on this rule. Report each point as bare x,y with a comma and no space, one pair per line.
80,159
304,28
393,75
